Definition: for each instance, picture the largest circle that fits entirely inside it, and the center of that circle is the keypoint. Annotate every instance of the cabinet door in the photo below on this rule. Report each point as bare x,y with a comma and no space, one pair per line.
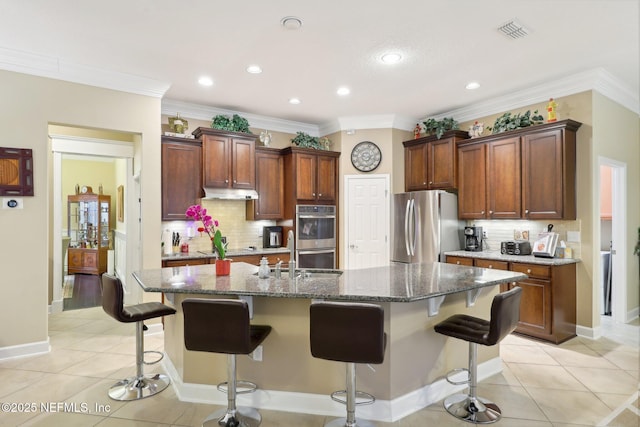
441,170
306,176
326,178
542,175
472,182
184,262
181,178
216,152
458,260
415,163
535,308
269,184
243,162
503,179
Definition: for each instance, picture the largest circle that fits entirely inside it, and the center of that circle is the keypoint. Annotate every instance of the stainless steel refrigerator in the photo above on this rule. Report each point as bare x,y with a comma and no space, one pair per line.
424,225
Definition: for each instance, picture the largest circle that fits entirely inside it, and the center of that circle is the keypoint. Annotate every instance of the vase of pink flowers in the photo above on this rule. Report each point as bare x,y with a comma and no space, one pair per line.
210,226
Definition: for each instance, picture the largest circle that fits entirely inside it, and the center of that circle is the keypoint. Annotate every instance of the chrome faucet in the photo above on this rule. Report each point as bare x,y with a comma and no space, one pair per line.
292,260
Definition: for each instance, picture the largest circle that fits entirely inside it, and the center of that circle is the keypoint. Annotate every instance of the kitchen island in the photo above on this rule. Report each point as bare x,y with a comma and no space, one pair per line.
414,296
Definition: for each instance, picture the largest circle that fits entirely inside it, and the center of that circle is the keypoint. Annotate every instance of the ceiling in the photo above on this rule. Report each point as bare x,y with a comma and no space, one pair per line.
162,47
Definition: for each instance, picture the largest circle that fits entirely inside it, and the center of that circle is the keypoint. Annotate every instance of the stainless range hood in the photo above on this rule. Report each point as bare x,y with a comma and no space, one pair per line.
229,194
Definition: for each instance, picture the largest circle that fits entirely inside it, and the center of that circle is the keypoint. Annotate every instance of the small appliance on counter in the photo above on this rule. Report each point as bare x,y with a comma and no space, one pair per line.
272,236
545,246
515,247
473,238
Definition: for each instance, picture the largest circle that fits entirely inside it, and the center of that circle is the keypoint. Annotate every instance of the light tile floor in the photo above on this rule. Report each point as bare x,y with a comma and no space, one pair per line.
579,383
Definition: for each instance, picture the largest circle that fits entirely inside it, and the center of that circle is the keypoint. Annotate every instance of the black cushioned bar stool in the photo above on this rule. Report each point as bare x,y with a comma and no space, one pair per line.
222,326
141,385
505,313
351,333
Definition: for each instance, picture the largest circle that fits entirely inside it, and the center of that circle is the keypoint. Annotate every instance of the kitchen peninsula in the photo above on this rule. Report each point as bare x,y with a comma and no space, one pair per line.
414,296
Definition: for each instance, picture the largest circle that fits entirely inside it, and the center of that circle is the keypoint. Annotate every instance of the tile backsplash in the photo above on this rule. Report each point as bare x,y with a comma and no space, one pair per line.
501,230
231,216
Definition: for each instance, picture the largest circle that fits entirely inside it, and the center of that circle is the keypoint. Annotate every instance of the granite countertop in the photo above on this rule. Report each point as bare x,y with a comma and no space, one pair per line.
397,282
530,259
229,254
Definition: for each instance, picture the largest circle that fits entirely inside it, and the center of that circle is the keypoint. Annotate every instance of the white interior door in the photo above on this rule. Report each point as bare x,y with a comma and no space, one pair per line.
367,221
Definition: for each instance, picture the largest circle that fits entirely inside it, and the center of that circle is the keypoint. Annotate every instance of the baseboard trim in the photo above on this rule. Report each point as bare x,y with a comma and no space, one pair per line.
591,333
56,306
22,350
320,404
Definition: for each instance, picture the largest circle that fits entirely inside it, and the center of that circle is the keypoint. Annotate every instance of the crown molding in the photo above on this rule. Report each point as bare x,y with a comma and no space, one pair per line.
596,79
59,69
379,121
204,112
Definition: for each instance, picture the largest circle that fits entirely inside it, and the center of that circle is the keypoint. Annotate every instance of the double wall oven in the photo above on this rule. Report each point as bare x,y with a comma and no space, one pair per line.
316,236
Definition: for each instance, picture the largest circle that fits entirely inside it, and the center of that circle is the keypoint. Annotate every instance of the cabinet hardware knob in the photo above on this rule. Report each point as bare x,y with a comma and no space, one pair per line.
424,182
313,194
490,212
234,181
319,194
226,181
482,212
490,266
528,271
458,262
430,182
526,211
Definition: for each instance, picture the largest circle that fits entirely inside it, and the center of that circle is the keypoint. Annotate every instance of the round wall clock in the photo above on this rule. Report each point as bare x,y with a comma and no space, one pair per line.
366,156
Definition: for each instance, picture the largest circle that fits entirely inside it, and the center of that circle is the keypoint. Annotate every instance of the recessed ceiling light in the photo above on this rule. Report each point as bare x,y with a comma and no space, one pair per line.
391,58
254,69
294,101
343,91
472,85
291,22
205,81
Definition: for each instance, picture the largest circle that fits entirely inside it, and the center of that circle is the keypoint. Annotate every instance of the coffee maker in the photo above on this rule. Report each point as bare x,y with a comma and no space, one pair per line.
272,237
473,238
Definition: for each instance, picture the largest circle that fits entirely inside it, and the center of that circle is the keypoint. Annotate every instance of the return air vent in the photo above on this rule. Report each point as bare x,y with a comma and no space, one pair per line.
513,29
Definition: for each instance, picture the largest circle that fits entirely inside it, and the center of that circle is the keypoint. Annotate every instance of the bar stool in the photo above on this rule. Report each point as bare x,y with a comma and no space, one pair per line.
351,333
222,326
141,385
505,313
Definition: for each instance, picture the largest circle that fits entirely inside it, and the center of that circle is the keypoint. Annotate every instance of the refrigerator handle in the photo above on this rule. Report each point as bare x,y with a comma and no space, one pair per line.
407,211
414,235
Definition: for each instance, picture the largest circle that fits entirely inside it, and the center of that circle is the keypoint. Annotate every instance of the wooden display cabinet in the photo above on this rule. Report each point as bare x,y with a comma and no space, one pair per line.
89,227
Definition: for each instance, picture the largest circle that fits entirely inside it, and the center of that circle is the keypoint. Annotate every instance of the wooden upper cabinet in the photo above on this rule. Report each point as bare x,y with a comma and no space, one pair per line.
269,184
306,176
181,176
503,179
527,173
310,177
326,178
472,187
431,163
228,158
549,173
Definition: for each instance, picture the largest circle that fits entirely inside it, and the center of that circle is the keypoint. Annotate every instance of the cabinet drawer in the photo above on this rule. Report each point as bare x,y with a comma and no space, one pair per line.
460,260
491,263
532,270
184,262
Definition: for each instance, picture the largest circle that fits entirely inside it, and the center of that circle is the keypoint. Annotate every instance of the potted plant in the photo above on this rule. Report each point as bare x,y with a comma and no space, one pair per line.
507,122
209,226
305,140
439,127
235,123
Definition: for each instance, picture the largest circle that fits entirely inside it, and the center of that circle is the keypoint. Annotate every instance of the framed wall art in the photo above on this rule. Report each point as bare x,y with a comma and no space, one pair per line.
16,172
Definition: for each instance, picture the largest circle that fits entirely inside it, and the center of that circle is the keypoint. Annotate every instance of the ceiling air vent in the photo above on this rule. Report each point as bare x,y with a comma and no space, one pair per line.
513,29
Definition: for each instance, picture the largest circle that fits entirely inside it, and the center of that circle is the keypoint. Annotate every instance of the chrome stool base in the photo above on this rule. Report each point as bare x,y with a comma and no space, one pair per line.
243,417
473,410
342,422
134,388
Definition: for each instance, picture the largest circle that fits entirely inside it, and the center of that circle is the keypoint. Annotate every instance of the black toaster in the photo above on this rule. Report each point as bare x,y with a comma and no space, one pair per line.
515,247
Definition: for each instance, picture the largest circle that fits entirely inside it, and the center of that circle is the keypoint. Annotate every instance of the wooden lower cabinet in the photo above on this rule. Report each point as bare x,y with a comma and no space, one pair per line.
184,262
255,259
548,304
86,261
